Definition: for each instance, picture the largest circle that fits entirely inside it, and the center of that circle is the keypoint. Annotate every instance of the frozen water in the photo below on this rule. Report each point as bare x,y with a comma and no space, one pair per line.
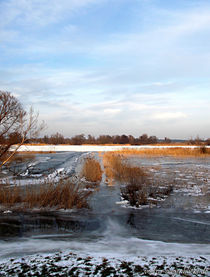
179,226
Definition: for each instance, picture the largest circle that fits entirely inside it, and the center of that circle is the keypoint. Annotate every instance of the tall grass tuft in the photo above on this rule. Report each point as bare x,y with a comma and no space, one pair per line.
64,195
116,169
10,196
91,170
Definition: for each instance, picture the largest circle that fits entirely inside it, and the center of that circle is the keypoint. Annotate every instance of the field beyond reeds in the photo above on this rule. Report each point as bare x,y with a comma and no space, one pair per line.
175,151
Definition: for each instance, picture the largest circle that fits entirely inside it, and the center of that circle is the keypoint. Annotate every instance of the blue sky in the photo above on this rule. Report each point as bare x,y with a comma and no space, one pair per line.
110,66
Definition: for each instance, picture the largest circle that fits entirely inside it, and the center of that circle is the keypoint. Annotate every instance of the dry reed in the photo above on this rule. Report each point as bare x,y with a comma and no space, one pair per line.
116,169
91,170
21,158
64,195
137,187
176,152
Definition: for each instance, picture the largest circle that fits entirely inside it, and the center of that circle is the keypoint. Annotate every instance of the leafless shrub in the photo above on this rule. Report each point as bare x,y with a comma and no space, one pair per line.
208,142
204,150
145,193
135,194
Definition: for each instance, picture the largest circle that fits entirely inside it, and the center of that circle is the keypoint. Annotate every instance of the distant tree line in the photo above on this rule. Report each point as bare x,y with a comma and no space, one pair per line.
58,138
102,139
199,141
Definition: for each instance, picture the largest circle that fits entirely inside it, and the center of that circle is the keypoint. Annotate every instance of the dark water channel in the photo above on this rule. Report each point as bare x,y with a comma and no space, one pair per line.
107,226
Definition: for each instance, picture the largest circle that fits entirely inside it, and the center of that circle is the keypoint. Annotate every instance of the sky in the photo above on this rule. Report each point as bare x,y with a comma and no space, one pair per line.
110,66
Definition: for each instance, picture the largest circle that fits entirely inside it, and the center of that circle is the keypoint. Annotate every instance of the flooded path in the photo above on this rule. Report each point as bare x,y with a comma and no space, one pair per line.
178,226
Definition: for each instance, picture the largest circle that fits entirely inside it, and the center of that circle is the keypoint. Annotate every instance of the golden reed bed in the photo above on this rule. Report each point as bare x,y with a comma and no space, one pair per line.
176,152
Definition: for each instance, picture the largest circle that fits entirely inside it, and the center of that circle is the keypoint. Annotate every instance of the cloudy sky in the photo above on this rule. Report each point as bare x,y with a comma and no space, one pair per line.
110,66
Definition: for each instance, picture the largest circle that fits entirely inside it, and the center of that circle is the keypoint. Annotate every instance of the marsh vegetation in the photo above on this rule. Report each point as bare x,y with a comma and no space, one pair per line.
175,151
61,195
91,170
138,186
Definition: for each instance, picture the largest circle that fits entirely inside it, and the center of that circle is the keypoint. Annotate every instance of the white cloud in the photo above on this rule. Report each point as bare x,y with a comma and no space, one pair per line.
169,115
109,111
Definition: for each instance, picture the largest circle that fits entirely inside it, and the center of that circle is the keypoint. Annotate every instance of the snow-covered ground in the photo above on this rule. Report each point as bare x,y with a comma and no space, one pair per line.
111,253
91,148
70,264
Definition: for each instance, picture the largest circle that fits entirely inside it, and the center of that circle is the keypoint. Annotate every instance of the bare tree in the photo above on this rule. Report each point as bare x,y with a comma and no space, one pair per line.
57,138
16,126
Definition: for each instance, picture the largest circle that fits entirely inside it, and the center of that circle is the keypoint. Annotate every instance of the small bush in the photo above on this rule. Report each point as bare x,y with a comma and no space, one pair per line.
135,194
91,170
144,193
208,142
204,150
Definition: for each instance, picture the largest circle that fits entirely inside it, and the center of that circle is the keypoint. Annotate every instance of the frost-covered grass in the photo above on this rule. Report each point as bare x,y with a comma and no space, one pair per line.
63,264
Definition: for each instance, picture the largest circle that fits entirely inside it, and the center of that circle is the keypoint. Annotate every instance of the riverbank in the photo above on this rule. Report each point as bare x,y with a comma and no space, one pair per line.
69,264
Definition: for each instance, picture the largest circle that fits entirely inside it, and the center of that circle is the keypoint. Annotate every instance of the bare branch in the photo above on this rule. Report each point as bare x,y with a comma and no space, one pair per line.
16,126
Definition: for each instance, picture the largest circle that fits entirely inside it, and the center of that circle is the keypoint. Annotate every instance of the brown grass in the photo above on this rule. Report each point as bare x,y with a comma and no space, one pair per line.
64,195
92,170
21,157
137,186
10,196
116,169
35,144
176,151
